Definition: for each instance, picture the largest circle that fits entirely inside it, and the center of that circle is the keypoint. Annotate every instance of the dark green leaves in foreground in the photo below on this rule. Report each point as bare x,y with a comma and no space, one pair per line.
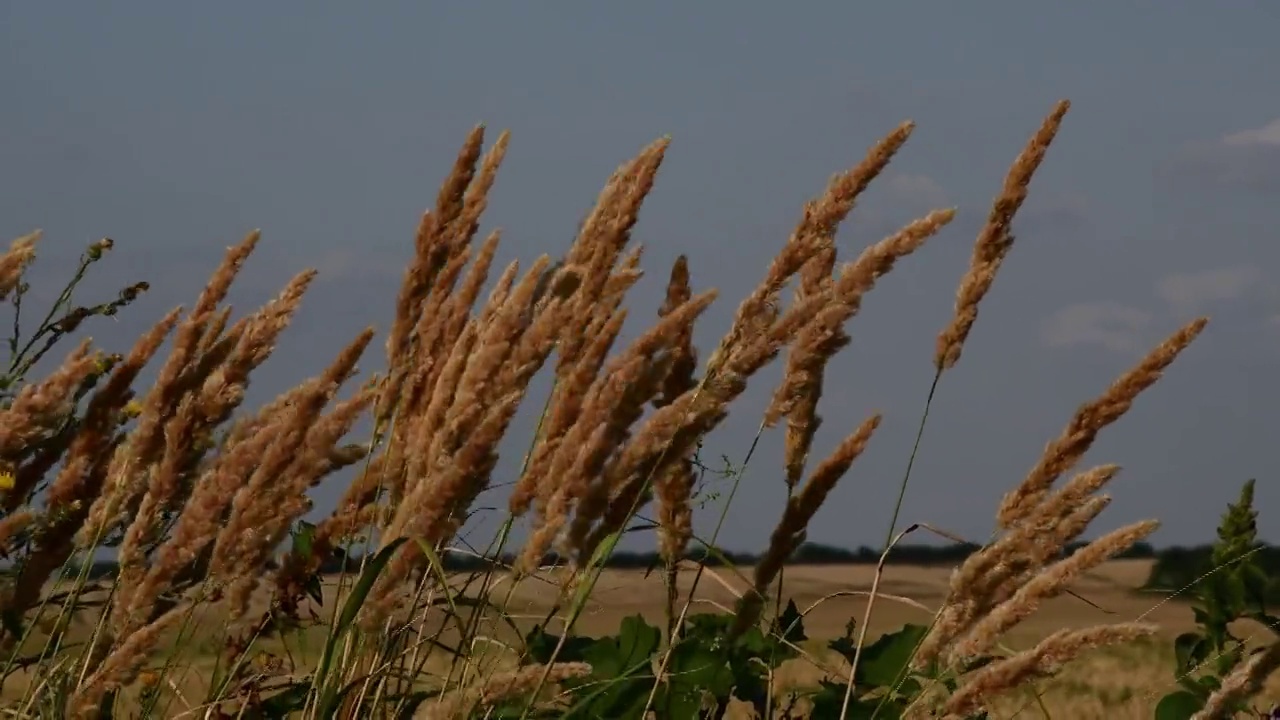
883,685
1233,587
622,673
708,670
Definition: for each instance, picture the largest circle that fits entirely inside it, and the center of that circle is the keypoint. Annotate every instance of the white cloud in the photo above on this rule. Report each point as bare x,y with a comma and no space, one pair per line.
1053,212
344,265
1112,326
917,188
1190,292
1243,160
1268,136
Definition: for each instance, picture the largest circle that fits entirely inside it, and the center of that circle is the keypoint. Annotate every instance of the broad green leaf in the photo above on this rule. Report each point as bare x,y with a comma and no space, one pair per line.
1202,687
846,646
710,626
694,665
884,662
622,677
753,642
1188,650
637,640
828,704
678,703
1265,618
286,702
613,656
1201,615
790,624
1180,705
540,645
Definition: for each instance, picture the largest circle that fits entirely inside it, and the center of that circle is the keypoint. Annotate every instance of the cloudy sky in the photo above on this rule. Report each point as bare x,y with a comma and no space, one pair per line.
176,128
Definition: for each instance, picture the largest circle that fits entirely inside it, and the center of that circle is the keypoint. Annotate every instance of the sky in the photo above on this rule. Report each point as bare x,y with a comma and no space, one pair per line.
175,128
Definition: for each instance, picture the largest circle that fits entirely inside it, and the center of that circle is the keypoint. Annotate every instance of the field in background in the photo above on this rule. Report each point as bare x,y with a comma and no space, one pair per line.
1113,587
1118,682
1121,682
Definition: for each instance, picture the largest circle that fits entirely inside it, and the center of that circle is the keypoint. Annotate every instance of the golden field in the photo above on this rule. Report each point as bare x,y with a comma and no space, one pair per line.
1114,682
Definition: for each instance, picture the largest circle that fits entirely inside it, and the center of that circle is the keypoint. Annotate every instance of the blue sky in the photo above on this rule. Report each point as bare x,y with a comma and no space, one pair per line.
176,128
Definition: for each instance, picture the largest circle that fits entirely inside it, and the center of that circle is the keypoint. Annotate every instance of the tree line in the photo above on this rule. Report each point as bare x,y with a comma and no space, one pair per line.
1175,568
809,553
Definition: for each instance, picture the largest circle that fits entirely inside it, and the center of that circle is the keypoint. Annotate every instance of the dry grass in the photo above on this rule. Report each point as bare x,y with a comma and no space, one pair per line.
198,493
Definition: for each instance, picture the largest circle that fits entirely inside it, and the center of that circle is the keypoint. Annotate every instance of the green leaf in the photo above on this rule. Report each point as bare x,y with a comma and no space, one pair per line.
790,624
884,662
638,640
599,558
1264,618
679,702
753,643
351,608
699,665
304,538
11,621
635,643
540,645
828,704
694,664
709,626
1202,616
1180,705
623,697
1202,687
1256,581
910,687
315,589
846,646
1189,649
622,677
437,566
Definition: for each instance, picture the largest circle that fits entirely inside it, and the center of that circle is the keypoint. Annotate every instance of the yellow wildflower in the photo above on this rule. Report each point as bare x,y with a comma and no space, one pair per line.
6,480
132,409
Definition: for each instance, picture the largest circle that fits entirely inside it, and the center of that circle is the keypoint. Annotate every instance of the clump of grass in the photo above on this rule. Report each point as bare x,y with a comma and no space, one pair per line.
196,494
